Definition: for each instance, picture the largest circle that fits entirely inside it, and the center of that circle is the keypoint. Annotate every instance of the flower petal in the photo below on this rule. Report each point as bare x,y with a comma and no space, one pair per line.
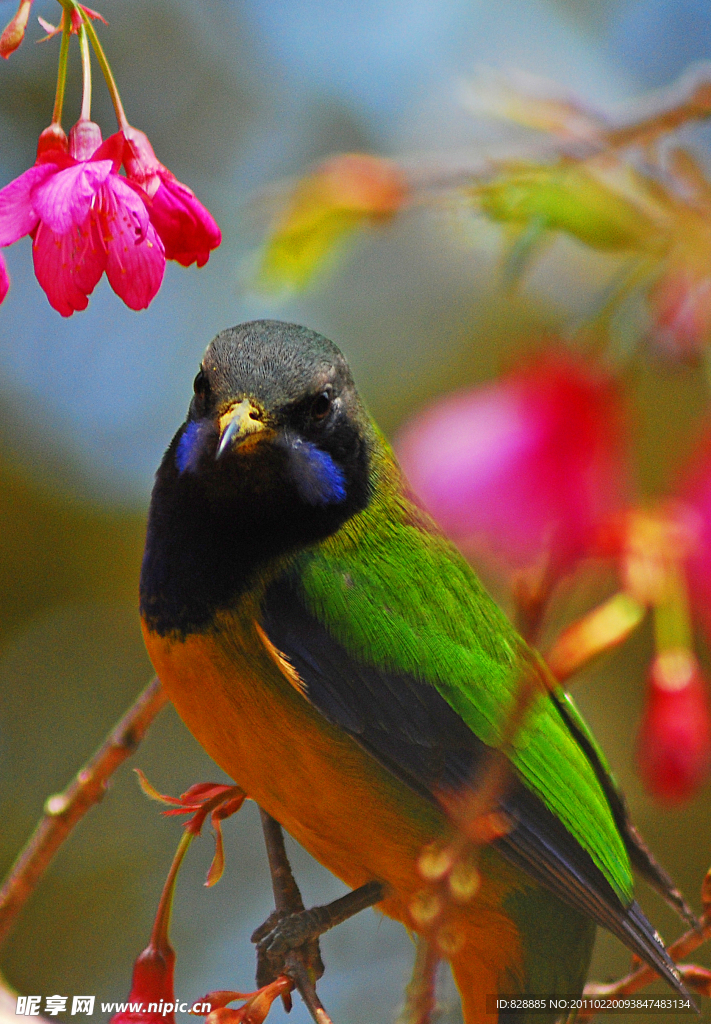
136,257
4,280
111,149
217,866
94,15
219,999
152,792
118,197
17,214
343,194
188,230
89,254
68,266
65,199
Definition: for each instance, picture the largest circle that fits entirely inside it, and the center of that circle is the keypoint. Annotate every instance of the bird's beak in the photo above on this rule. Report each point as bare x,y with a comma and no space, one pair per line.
241,421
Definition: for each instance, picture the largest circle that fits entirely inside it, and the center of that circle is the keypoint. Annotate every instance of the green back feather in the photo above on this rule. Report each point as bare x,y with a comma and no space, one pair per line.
396,594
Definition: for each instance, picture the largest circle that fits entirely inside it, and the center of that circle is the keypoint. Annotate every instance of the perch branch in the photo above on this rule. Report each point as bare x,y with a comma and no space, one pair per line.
287,900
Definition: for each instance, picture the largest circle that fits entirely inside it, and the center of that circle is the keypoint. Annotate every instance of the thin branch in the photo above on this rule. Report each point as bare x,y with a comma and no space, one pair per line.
287,897
63,811
62,70
307,990
689,99
103,64
287,900
597,632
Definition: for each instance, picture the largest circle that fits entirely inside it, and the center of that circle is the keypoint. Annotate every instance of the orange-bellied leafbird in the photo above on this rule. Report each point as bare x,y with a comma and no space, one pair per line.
336,655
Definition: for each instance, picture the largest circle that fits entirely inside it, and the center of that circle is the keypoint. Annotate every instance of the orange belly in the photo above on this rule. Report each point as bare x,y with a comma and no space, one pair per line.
329,794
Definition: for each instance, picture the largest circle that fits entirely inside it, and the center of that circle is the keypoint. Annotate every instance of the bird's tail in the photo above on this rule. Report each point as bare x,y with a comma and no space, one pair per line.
640,936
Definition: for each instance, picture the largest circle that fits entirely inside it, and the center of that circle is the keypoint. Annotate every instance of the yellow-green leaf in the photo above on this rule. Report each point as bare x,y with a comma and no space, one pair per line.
324,208
570,197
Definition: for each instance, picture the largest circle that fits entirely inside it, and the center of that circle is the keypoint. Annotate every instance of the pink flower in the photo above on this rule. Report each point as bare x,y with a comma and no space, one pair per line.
4,280
186,228
674,743
527,468
84,219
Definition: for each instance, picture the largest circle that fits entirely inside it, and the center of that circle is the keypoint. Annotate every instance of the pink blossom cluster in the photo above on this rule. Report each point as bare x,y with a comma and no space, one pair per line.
85,218
525,468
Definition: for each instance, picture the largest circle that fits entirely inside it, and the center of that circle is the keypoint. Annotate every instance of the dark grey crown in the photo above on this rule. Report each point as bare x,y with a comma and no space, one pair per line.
273,361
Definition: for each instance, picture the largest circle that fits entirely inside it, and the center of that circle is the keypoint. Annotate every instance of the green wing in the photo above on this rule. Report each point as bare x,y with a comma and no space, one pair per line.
402,599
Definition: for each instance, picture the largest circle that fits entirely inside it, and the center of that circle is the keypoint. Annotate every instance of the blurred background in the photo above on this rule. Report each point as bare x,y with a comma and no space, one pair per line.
235,96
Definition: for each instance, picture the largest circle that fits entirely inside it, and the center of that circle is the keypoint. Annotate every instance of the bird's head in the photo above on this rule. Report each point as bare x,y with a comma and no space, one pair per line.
274,456
275,419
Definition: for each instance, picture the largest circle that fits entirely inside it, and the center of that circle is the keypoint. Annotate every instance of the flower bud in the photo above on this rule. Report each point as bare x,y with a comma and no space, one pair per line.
52,145
186,228
341,195
574,198
141,163
14,32
84,139
152,983
425,907
674,742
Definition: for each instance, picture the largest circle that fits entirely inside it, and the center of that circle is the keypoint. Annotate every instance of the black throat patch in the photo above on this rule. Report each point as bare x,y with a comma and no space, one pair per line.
210,536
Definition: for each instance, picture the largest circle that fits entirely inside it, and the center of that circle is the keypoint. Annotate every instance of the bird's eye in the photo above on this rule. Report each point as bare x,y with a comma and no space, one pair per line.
201,384
321,406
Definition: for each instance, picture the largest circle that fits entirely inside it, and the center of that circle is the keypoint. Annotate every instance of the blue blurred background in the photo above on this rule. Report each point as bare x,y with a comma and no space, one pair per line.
234,96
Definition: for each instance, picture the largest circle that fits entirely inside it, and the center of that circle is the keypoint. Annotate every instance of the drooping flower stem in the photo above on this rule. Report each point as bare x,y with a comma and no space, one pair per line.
86,75
62,69
672,617
105,69
161,925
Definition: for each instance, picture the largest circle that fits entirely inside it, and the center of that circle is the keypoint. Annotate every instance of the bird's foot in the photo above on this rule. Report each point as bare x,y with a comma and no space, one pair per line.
283,934
285,942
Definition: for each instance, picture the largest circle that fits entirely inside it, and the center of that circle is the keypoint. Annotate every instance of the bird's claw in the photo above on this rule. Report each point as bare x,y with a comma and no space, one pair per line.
285,941
264,929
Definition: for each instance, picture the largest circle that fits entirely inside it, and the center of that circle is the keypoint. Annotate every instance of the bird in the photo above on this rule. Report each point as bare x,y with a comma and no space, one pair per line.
338,657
